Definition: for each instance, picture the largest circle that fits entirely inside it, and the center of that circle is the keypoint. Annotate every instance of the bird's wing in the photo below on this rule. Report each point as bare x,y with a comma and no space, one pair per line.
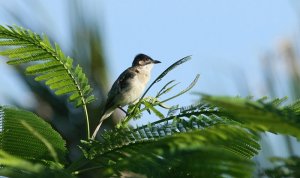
114,94
119,85
125,77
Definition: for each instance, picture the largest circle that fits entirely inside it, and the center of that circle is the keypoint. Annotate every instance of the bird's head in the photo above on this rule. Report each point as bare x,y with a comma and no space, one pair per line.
143,60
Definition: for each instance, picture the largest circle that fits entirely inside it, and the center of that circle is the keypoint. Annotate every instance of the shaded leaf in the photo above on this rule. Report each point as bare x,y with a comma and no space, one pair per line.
15,138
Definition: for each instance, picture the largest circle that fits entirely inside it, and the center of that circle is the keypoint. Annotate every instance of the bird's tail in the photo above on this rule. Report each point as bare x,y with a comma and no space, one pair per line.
104,116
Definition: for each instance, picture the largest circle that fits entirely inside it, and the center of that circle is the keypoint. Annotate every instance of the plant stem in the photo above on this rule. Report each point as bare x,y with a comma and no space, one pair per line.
87,122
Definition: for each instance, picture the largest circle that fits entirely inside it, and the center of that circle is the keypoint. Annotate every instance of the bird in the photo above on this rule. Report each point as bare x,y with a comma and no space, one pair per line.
128,87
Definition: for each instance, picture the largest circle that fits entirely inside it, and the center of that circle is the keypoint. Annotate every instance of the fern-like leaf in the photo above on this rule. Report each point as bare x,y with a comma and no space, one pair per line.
12,166
55,69
177,125
25,135
185,90
262,115
165,89
171,145
143,150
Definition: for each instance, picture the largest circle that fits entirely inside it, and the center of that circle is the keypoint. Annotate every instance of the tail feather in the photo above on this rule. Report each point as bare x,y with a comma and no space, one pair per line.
104,116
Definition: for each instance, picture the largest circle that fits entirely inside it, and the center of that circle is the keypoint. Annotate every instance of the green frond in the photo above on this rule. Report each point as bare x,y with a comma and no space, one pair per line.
185,90
153,109
195,122
262,115
50,75
173,145
55,68
90,98
58,78
194,109
30,58
19,128
46,67
74,96
13,42
19,52
62,84
68,89
12,166
165,89
221,150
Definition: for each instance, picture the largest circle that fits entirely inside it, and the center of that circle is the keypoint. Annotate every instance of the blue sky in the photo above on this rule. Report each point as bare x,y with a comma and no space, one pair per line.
226,38
222,36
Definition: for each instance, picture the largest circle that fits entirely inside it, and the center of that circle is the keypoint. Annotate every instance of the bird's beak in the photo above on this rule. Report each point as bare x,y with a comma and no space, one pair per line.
156,62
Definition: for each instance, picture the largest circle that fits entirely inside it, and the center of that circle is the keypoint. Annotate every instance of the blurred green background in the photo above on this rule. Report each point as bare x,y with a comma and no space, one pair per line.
239,47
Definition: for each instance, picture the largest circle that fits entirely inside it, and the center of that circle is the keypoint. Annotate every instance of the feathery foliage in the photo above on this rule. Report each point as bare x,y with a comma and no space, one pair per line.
12,166
170,151
176,125
54,68
261,115
173,142
25,135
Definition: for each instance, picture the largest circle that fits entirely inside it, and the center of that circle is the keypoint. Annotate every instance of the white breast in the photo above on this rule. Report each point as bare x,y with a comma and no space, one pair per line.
144,73
138,83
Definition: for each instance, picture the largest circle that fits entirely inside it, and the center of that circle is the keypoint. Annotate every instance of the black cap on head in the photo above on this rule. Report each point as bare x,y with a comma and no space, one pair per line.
143,59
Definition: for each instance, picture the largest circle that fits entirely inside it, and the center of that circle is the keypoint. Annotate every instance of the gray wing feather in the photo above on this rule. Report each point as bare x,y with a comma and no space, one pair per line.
118,86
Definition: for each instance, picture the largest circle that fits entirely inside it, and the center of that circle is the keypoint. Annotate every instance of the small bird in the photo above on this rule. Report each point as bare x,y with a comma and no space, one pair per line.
129,86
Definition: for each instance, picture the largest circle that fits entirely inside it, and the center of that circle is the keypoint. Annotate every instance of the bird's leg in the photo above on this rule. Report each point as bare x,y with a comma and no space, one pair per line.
122,110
